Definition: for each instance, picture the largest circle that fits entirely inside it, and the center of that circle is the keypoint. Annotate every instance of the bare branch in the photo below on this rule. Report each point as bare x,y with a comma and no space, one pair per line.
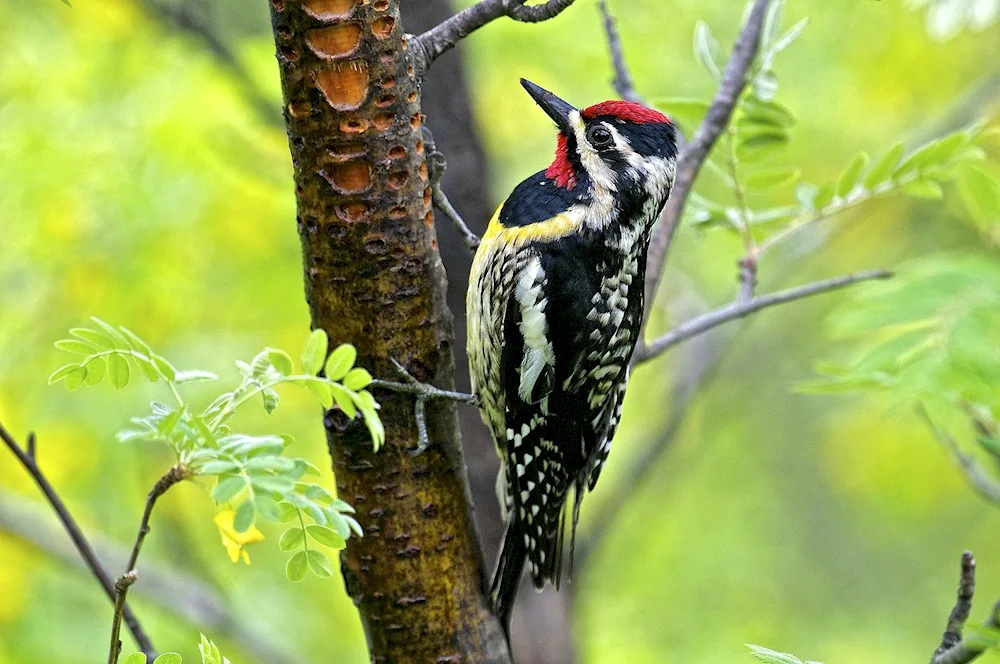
740,309
623,83
423,392
980,478
172,590
955,649
86,551
693,155
125,581
443,37
437,165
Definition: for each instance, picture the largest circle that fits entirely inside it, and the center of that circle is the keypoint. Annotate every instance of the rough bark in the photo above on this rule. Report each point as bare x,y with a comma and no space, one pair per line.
374,277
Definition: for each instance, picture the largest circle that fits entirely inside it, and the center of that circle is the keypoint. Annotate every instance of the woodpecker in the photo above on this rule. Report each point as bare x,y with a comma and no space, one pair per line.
555,306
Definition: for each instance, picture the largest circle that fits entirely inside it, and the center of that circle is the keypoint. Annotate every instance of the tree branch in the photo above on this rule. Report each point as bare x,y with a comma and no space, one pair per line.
443,37
694,154
741,309
436,166
175,591
954,649
980,478
623,83
29,461
125,581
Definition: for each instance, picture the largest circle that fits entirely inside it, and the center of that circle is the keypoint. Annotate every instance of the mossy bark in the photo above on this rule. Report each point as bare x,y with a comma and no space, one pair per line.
374,278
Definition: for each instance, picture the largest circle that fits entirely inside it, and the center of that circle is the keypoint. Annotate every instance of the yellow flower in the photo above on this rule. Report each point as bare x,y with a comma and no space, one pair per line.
235,542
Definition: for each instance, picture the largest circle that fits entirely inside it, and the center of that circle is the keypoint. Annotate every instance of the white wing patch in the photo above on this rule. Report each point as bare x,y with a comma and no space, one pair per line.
538,353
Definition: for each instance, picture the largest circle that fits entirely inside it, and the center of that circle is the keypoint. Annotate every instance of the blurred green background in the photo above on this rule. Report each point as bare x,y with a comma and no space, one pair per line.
140,182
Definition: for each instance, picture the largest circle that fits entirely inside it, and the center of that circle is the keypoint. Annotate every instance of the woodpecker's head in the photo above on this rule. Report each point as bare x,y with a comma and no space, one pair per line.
615,152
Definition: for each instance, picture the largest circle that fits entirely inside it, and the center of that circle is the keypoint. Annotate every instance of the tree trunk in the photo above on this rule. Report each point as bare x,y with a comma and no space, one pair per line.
374,278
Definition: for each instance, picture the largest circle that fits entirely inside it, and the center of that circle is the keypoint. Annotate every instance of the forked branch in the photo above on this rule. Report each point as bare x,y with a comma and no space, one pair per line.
694,154
28,459
744,307
954,648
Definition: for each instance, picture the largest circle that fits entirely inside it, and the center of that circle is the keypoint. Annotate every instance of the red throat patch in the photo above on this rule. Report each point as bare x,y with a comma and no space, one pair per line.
625,110
561,171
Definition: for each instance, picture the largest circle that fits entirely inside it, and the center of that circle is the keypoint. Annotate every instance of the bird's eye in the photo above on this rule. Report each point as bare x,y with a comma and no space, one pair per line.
600,137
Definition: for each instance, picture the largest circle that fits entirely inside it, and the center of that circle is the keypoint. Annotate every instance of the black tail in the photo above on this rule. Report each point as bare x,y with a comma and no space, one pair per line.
507,578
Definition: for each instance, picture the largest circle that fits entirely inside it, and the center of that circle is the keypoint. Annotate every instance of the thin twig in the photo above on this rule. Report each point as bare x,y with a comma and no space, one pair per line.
122,585
980,478
694,154
955,649
623,83
72,528
436,166
423,393
444,36
739,309
174,591
170,478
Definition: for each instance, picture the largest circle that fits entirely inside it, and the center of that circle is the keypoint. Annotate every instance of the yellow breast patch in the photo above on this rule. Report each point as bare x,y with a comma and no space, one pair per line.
561,225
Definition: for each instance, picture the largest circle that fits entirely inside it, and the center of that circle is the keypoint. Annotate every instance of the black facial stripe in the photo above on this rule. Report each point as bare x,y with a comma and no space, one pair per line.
653,139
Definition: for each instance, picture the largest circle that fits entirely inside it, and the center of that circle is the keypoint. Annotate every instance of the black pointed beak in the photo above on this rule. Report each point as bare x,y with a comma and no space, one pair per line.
554,107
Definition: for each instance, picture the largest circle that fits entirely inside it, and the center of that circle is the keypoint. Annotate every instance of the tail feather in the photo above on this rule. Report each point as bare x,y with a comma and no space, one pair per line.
507,578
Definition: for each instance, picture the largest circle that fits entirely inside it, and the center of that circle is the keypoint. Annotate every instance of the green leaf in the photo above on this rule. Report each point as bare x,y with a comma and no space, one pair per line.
343,399
135,342
271,483
852,174
981,194
768,178
190,376
316,492
765,85
93,337
761,145
118,371
291,539
357,379
688,113
75,378
168,658
297,566
270,398
923,188
228,488
268,508
326,536
75,346
767,112
314,352
287,510
806,194
788,38
706,50
218,467
95,370
281,361
245,517
824,196
136,657
321,391
375,428
319,564
771,656
340,361
62,372
885,167
169,372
